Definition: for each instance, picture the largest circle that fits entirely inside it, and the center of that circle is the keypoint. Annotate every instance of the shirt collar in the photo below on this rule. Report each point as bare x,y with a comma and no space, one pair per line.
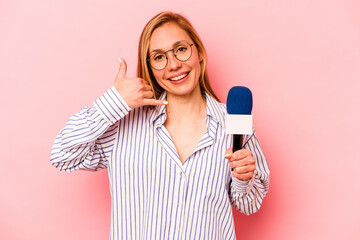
214,110
158,114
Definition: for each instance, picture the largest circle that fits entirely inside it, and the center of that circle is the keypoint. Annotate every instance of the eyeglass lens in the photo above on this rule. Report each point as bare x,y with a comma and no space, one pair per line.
182,52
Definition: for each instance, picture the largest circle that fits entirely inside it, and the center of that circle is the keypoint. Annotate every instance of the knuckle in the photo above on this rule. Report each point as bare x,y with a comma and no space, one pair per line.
241,153
138,81
245,152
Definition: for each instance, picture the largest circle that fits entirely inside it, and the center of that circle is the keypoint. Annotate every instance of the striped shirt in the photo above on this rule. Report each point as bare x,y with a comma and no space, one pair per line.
154,195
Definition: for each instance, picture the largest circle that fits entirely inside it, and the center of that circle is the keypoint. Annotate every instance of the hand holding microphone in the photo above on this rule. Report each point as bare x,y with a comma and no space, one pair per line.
242,163
135,91
238,122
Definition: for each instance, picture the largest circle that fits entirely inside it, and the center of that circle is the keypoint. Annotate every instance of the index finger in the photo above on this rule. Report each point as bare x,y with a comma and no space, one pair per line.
240,154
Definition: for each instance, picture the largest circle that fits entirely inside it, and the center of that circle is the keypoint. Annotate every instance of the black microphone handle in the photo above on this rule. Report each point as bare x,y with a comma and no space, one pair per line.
237,142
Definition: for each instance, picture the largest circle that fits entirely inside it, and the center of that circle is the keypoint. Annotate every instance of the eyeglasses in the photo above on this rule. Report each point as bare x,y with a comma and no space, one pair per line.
182,52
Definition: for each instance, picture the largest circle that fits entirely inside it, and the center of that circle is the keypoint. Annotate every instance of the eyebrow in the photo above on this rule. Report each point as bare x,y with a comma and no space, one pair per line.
161,50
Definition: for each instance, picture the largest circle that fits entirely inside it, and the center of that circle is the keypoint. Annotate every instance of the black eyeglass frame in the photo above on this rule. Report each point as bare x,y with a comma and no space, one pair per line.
167,60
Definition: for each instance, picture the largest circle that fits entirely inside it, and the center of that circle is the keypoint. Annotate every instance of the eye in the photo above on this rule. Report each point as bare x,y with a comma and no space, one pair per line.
158,57
181,49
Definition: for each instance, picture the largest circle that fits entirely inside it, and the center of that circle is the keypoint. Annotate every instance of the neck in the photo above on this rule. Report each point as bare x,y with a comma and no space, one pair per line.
186,108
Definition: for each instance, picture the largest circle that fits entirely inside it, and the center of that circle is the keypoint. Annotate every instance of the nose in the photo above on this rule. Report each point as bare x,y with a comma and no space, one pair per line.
173,63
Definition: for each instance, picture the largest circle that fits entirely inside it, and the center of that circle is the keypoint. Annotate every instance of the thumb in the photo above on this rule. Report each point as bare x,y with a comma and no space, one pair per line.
122,68
228,153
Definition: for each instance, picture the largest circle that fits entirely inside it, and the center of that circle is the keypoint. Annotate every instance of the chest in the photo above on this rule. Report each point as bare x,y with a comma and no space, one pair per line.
143,146
145,156
186,137
146,160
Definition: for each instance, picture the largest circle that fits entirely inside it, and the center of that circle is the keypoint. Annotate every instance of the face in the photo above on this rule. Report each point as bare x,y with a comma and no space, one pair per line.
177,78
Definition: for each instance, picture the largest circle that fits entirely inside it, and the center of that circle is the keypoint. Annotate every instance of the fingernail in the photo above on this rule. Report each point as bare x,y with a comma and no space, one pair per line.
227,155
119,59
166,102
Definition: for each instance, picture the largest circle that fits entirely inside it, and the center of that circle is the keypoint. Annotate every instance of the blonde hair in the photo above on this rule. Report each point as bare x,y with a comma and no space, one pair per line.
143,69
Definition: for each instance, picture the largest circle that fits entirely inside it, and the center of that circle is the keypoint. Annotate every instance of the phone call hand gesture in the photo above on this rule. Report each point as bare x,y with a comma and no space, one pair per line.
135,91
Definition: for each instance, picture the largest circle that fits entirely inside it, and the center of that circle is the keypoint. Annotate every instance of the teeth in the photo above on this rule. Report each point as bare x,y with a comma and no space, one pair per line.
178,77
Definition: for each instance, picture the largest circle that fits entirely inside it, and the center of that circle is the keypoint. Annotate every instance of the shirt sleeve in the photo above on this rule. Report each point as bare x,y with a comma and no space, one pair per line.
247,196
88,138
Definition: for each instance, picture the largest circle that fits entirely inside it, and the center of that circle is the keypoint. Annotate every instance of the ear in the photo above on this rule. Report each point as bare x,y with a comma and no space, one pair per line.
201,57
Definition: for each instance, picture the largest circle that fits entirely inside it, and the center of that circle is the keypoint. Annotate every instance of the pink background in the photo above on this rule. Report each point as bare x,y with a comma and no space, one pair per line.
301,59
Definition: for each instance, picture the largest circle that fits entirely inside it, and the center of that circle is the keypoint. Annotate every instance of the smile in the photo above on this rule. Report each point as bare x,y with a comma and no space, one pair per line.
177,78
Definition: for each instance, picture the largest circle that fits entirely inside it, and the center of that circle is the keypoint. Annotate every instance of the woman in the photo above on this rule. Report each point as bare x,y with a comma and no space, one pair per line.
161,136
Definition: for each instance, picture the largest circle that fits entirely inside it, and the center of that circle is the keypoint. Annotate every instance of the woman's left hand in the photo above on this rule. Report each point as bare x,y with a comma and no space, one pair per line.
242,162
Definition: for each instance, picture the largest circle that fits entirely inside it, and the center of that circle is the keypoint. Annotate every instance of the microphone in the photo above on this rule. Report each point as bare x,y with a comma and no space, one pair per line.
238,120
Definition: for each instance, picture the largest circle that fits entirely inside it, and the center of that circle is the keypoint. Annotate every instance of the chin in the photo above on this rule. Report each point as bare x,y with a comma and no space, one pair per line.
184,87
183,90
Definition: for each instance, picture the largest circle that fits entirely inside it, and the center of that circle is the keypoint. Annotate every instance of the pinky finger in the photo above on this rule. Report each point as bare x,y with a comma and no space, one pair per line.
243,177
154,102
